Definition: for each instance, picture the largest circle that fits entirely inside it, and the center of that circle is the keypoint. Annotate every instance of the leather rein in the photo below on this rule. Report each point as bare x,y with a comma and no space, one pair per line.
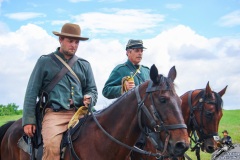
153,118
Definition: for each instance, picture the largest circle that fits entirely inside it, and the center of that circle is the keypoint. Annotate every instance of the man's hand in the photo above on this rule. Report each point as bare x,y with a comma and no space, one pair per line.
86,100
129,85
29,129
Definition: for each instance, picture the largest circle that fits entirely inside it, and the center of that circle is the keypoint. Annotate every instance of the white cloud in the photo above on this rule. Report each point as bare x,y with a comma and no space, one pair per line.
230,20
19,52
179,46
3,28
119,21
21,16
197,60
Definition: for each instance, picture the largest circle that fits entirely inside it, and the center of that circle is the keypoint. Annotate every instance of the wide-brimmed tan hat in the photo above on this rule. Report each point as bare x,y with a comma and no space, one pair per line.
71,30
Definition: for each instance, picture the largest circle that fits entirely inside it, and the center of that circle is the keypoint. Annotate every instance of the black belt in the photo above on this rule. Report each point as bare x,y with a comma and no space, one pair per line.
56,107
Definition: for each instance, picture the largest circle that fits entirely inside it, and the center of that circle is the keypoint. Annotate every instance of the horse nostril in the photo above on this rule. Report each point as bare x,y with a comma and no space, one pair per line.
210,149
180,148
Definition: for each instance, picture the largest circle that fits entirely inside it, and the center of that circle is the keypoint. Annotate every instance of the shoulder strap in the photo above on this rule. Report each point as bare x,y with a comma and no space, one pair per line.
60,74
68,67
134,70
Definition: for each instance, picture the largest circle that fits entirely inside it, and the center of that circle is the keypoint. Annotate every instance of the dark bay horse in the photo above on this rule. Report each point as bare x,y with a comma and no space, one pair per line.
202,112
154,104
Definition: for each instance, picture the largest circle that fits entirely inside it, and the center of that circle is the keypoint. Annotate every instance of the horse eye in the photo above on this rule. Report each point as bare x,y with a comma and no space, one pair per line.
162,99
209,114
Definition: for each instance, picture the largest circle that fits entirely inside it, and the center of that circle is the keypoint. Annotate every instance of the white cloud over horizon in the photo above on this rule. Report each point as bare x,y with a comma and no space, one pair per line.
231,19
119,20
22,16
197,60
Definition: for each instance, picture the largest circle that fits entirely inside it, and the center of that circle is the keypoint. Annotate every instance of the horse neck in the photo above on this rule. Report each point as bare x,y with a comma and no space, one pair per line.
121,118
186,109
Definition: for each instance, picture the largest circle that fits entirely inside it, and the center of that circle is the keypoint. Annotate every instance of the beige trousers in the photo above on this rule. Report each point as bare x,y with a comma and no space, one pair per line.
53,126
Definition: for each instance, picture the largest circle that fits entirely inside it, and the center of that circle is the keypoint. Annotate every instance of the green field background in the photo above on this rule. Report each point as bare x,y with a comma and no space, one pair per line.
230,121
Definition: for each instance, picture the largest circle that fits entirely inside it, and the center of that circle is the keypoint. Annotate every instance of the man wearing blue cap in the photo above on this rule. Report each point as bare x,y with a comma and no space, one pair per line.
118,83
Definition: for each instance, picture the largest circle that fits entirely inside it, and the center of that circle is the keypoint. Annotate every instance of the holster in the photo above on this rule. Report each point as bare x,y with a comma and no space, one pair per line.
40,107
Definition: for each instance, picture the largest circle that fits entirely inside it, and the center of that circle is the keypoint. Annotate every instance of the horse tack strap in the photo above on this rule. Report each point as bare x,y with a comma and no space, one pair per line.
144,108
170,127
192,119
135,149
156,88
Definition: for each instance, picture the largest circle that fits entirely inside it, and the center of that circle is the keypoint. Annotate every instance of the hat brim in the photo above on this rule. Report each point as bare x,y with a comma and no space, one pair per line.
70,35
134,47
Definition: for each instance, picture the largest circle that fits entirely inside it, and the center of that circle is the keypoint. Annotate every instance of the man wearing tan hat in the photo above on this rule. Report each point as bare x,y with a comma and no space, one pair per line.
59,97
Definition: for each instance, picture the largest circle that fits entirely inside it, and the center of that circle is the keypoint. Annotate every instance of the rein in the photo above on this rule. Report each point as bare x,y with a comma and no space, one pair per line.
152,119
121,143
157,128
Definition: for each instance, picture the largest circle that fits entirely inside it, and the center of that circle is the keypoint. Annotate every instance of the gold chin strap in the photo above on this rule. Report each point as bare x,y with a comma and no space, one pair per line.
128,79
79,114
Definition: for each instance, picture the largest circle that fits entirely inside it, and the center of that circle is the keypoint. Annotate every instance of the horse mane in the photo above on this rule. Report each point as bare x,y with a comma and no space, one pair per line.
117,100
167,83
164,83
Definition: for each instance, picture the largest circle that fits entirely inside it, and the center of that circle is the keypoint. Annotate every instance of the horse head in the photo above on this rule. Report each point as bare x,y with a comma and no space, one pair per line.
160,115
205,112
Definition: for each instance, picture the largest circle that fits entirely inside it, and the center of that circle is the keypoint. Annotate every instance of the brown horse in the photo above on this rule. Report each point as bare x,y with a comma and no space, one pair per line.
202,112
112,133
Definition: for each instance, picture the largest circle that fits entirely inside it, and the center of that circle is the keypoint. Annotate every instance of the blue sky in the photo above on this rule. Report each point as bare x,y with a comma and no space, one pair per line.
201,38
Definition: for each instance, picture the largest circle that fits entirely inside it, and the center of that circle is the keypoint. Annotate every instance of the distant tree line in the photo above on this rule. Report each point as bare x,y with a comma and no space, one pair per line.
9,109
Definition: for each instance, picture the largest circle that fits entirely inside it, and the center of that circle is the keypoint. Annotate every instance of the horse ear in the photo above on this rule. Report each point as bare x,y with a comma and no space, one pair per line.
222,92
172,74
208,90
154,74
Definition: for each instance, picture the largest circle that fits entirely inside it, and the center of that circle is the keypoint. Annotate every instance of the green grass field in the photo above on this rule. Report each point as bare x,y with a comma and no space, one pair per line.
229,121
4,119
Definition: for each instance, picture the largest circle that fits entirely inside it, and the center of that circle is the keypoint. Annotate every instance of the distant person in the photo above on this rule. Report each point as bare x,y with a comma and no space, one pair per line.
226,140
117,82
72,91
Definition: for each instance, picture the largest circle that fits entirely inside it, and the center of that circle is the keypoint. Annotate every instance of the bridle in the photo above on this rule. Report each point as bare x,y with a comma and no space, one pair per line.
153,121
199,142
154,117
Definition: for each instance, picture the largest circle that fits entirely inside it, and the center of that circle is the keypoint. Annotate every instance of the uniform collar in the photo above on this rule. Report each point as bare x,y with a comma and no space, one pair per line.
132,65
61,55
